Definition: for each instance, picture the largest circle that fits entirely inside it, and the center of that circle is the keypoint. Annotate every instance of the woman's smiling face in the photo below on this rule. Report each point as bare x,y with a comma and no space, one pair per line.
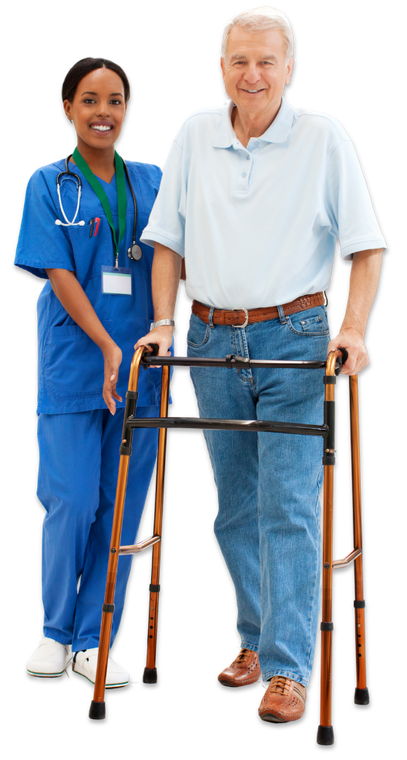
98,109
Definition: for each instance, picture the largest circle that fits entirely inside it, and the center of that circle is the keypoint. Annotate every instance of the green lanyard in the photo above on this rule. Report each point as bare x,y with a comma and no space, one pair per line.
121,196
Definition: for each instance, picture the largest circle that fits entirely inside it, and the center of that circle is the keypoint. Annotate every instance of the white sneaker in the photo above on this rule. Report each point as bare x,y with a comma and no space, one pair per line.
49,659
85,663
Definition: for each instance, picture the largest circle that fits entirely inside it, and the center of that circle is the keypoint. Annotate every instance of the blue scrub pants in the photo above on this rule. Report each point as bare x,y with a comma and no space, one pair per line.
79,462
268,483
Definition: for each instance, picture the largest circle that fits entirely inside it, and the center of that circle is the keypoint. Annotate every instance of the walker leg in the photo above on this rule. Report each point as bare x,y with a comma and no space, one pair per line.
361,691
325,730
97,708
325,734
150,671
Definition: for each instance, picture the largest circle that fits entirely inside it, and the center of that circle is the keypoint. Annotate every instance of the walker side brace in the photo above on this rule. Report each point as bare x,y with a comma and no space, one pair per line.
332,368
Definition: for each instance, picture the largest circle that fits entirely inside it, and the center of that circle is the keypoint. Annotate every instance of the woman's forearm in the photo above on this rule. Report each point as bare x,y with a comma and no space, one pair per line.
75,301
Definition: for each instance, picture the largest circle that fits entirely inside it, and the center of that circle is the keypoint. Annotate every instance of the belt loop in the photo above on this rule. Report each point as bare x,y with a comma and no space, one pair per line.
283,318
210,318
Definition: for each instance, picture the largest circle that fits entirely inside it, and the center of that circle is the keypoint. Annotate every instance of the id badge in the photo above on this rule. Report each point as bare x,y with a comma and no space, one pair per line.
116,281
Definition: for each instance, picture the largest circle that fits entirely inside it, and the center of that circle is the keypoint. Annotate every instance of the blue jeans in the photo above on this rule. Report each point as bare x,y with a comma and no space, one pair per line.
268,524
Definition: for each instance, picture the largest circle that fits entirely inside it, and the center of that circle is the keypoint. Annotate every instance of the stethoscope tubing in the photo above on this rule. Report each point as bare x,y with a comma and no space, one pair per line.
134,252
77,179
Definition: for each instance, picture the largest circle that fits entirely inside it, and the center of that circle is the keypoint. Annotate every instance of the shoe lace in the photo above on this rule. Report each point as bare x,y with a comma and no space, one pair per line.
243,654
280,685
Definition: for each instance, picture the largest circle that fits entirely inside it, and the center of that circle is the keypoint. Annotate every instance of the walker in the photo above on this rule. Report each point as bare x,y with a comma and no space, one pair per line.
146,355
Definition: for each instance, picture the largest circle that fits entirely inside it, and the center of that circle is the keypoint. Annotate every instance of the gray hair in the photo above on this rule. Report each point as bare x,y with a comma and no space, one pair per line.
261,20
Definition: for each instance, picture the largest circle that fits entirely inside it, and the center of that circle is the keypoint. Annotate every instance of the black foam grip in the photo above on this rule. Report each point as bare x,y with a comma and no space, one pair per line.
145,361
344,354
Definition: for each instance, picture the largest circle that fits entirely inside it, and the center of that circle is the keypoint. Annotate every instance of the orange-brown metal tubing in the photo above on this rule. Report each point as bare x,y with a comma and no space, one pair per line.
158,519
327,559
357,533
326,636
107,617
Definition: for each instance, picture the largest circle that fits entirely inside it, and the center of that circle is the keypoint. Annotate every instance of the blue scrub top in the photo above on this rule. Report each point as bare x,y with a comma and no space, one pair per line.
70,365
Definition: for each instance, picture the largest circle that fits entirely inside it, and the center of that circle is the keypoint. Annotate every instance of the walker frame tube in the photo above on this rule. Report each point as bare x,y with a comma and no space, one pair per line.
146,355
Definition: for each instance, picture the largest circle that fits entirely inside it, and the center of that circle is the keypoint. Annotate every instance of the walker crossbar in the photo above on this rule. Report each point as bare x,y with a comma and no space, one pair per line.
232,361
147,356
251,426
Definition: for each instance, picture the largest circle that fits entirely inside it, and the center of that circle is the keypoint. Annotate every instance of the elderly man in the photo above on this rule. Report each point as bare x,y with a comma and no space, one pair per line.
254,196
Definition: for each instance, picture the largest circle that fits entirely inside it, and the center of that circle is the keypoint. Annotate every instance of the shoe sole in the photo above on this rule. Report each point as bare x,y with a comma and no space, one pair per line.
271,718
274,719
236,685
45,675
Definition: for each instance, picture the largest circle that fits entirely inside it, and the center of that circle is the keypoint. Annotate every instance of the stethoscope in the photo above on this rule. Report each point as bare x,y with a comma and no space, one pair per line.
134,252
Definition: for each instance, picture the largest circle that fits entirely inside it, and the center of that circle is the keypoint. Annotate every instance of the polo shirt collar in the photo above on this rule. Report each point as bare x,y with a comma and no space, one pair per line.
277,132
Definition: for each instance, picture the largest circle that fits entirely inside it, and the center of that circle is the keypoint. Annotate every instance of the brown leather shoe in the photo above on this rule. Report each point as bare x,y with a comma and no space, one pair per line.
244,670
283,701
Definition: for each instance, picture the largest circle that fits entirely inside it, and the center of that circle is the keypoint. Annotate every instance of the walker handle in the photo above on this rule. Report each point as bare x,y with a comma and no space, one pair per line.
148,354
155,349
341,360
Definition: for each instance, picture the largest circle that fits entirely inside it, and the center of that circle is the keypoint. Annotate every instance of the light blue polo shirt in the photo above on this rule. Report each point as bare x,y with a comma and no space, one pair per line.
258,225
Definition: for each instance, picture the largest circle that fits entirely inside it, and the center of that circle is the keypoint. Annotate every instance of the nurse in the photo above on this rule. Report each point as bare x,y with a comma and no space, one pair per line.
95,304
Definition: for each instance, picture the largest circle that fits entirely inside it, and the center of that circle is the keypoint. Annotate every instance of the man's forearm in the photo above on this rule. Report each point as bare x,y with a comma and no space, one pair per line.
364,279
165,278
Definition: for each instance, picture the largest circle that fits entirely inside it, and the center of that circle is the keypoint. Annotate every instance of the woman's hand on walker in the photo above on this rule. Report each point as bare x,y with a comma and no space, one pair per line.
113,358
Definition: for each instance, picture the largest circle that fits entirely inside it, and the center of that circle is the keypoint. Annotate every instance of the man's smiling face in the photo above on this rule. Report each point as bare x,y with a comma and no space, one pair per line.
255,70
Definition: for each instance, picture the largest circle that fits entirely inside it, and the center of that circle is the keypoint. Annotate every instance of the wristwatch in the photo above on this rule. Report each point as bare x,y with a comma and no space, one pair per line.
161,323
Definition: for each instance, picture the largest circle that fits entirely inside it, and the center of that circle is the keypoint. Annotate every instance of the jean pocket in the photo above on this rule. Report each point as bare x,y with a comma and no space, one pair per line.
198,333
312,322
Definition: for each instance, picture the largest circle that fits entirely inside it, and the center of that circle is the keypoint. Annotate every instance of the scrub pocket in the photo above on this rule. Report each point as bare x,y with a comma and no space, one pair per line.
73,363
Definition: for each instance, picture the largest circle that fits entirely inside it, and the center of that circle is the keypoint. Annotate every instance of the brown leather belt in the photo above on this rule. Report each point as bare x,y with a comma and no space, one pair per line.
243,317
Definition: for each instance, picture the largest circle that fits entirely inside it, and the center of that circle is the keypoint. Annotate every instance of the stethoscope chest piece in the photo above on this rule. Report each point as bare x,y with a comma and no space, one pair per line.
134,252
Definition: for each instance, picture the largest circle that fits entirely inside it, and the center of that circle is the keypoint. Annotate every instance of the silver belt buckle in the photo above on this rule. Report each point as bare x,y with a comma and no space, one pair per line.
246,322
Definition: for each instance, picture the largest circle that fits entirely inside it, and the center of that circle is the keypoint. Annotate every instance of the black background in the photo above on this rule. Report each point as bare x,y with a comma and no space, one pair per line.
343,66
